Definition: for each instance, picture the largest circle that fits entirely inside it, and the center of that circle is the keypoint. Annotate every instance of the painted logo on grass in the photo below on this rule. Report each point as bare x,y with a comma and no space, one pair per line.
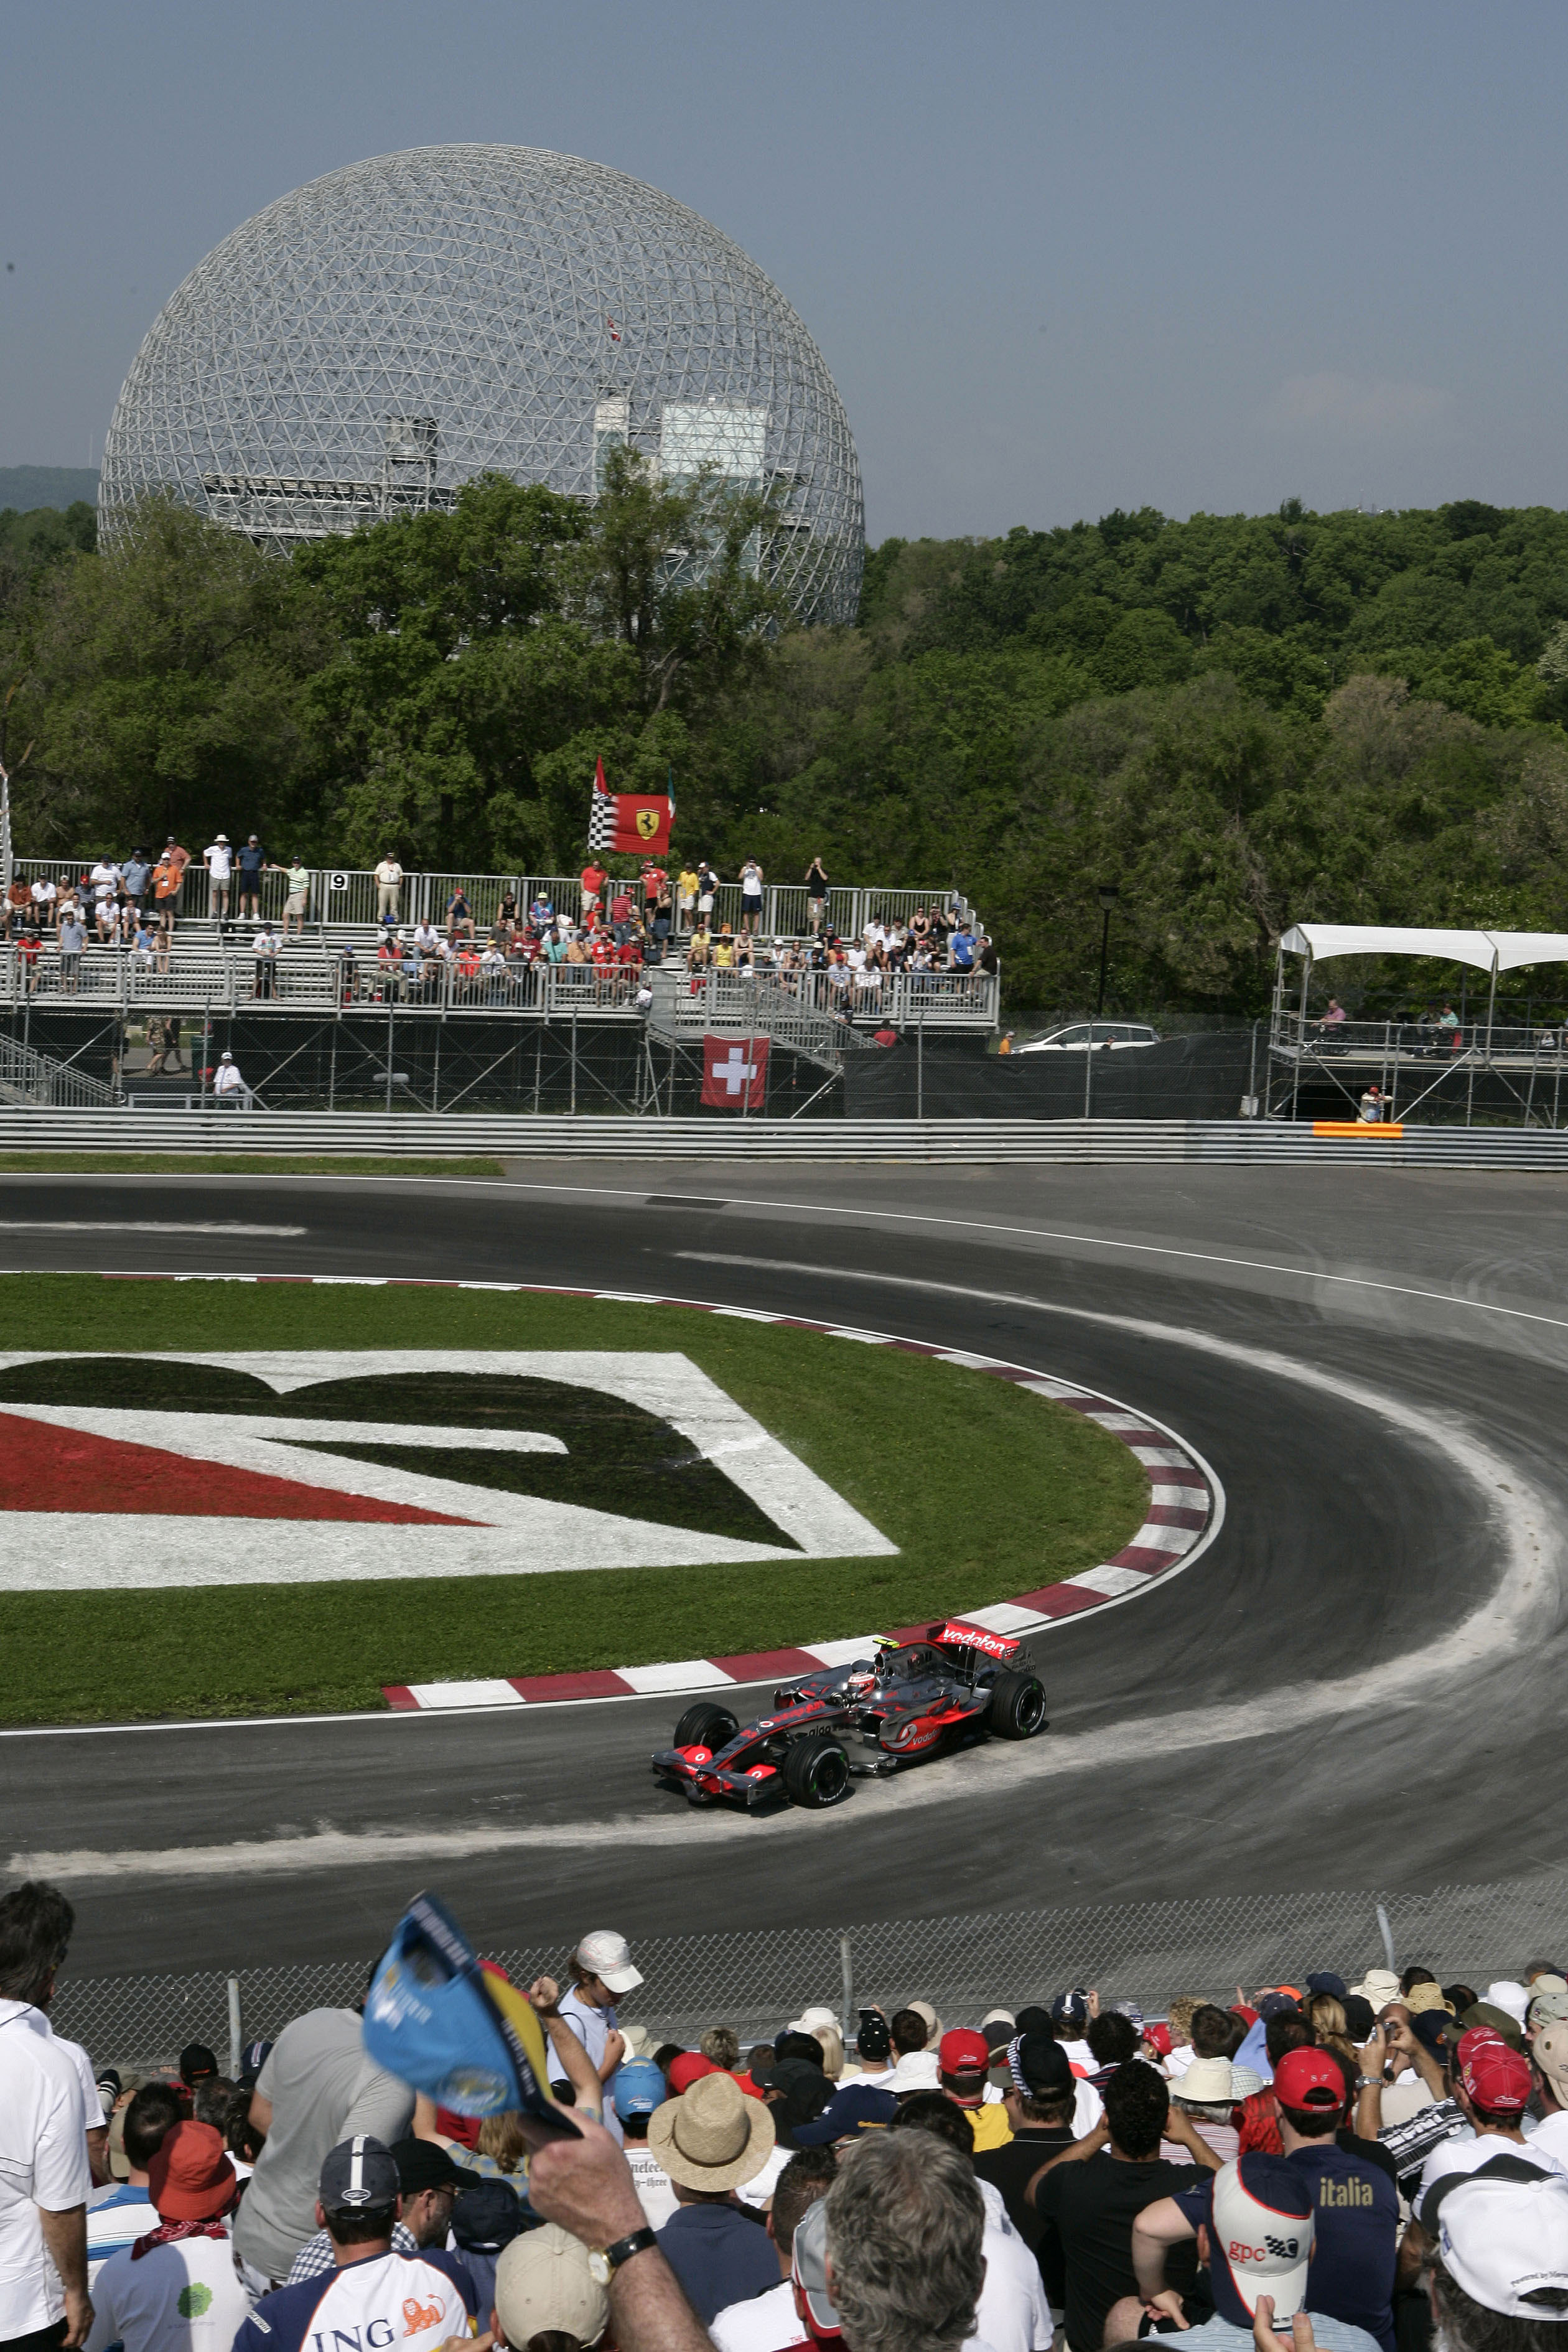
266,1468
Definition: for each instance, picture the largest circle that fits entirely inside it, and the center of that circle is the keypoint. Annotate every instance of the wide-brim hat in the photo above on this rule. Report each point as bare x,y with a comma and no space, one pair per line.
1380,1986
712,2138
917,2070
1206,2083
544,2282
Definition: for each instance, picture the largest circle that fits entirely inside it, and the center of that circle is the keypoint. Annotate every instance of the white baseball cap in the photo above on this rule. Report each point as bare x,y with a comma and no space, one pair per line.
1502,2235
1260,2241
607,1956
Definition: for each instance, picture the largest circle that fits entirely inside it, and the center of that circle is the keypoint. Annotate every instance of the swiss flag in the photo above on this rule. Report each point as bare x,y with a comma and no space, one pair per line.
735,1073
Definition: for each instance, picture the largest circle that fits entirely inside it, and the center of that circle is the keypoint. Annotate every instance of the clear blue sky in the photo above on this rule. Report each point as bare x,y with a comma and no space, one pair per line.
1059,258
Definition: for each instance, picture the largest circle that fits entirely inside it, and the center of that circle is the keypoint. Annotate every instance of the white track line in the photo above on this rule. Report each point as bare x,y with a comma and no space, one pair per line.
143,1226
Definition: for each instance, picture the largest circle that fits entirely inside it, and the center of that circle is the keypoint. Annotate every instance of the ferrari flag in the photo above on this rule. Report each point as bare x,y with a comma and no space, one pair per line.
633,823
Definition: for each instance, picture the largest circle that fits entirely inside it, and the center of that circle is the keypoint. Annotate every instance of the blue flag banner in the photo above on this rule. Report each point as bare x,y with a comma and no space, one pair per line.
468,2040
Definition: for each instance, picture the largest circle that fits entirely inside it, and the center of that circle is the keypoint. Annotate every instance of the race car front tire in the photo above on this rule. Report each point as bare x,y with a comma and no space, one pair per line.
1017,1709
706,1726
816,1772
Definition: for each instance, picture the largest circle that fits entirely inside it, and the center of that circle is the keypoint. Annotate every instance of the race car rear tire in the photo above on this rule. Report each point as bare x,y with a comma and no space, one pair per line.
1017,1709
706,1726
816,1772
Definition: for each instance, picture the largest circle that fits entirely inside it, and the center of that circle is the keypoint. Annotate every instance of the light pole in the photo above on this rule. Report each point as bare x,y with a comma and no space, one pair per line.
1109,894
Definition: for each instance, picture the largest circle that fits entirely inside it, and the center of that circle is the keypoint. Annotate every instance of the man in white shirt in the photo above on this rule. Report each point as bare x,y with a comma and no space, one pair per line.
640,2091
1491,2088
227,1084
768,2321
388,887
1549,2055
219,863
176,2289
602,1972
45,2179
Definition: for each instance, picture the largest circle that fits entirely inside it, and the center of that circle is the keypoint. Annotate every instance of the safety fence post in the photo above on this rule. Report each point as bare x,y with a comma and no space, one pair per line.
235,2042
847,1973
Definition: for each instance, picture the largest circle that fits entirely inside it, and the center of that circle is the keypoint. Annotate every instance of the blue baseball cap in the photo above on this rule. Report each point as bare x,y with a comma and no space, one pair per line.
857,2108
638,2087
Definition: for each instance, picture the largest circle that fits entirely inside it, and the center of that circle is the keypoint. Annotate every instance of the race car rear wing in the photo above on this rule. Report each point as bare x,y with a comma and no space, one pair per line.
953,1630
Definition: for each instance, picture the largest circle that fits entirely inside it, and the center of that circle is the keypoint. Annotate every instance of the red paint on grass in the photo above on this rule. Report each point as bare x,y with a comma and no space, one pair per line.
46,1468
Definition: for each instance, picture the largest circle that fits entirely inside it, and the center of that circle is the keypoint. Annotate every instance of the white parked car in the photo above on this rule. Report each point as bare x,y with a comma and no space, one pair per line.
1082,1035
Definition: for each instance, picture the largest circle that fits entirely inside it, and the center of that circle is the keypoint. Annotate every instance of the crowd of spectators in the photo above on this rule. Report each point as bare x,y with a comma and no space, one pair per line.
1380,2166
614,929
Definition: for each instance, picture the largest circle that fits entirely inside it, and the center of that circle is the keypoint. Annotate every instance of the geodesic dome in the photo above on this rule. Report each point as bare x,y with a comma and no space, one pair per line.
368,344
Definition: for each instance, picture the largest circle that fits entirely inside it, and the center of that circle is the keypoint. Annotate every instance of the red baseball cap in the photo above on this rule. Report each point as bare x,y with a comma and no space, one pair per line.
687,2069
963,2053
1308,2079
1496,2077
1159,2035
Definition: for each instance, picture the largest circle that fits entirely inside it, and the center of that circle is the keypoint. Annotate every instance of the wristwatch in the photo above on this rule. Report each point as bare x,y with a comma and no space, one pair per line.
1369,2083
603,2267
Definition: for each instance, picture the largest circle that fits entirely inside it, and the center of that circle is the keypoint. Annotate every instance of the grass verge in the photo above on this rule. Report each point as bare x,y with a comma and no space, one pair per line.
987,1490
230,1163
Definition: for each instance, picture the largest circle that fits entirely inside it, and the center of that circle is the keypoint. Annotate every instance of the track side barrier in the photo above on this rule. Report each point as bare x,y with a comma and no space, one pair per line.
1045,1142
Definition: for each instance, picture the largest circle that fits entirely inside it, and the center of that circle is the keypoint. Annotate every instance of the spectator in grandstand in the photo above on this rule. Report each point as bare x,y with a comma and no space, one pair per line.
1353,2188
1206,2097
602,1973
594,880
963,2063
253,861
219,862
768,2321
546,2295
484,2220
72,940
1492,2086
1257,2117
908,2031
228,1083
316,2089
388,888
1013,2315
430,2183
639,2092
893,2255
960,949
751,897
44,2175
1039,2103
459,915
121,2213
1112,2040
1500,2276
1092,2193
710,2140
176,2287
264,947
707,894
371,2294
1549,2059
873,2051
1259,2217
296,902
168,878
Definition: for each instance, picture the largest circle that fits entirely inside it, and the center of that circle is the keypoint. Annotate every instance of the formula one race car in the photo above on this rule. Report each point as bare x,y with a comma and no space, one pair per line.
911,1699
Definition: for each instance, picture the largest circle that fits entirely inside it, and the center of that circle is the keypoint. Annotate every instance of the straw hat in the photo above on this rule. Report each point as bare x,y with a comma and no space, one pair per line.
711,2138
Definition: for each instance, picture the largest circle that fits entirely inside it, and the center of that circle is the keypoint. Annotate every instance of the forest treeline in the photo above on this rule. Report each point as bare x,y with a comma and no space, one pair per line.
1241,721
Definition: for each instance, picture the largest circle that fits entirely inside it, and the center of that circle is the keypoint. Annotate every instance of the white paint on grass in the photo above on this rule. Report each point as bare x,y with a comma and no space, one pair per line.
508,1535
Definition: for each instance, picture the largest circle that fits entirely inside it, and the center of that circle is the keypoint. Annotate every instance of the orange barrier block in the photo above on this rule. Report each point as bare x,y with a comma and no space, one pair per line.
1384,1132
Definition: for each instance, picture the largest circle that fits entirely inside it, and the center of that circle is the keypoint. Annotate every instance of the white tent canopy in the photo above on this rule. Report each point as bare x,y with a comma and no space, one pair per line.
1487,951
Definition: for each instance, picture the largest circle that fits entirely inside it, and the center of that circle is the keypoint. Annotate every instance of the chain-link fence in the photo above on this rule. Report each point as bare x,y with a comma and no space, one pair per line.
964,1965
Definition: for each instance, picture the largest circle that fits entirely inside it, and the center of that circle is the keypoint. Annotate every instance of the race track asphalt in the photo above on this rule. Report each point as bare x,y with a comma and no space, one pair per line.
1359,1684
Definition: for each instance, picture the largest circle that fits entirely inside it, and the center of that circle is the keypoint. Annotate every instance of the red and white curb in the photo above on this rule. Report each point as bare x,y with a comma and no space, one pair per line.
1186,1513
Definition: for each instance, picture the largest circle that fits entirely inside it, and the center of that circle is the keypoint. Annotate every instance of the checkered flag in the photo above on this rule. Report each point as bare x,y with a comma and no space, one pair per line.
602,813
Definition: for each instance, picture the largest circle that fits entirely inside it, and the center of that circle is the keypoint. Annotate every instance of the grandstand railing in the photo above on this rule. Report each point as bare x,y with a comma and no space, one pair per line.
306,977
757,1980
346,895
39,1082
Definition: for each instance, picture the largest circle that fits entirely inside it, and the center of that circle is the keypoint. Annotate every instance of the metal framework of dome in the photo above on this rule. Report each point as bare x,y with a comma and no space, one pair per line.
366,345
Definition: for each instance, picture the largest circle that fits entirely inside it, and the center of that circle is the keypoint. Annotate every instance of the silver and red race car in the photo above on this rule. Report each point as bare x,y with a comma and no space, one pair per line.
911,1699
